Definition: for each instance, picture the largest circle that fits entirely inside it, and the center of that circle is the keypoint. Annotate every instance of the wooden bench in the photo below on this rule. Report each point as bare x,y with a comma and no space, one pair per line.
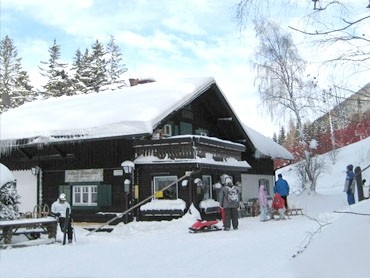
32,228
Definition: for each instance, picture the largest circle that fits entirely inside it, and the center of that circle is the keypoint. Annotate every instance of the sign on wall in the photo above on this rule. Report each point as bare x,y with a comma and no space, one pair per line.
84,175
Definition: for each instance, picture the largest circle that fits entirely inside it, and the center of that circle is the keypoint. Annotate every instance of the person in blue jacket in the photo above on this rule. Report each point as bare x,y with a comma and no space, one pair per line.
282,187
350,185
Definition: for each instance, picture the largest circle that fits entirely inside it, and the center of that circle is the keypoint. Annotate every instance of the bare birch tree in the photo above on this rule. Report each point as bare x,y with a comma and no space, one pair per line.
282,85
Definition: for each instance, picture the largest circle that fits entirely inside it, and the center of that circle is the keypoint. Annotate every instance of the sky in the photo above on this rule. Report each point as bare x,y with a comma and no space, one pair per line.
158,39
328,241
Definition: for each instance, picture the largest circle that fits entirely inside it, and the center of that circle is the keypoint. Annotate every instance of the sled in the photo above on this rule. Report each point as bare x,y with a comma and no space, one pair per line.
201,226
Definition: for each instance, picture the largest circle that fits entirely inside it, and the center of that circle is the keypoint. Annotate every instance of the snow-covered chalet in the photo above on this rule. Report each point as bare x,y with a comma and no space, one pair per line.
116,150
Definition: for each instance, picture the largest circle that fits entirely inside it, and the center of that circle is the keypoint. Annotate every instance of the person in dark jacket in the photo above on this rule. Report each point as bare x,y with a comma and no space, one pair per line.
282,188
229,201
350,185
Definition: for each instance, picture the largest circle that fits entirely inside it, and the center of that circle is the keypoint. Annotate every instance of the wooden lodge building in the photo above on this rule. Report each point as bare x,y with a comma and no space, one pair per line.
180,132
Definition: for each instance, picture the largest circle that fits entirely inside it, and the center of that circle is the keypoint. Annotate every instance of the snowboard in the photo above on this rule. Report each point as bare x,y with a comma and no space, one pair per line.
360,189
65,228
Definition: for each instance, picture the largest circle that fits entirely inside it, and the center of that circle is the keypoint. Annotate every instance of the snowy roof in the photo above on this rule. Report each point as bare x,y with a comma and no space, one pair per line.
5,175
104,114
267,147
128,111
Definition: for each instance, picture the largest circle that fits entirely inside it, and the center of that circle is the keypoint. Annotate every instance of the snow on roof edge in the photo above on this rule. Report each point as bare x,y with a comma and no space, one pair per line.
267,146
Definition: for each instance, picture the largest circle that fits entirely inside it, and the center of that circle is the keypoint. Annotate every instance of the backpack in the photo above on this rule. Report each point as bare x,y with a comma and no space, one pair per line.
232,194
277,202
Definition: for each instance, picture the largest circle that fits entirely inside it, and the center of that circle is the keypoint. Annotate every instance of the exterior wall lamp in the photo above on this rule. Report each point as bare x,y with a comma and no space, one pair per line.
128,169
36,171
198,182
128,166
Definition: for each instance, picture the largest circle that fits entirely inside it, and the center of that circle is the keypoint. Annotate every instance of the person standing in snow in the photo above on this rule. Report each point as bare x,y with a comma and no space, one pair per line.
278,204
282,187
350,185
229,201
262,198
58,209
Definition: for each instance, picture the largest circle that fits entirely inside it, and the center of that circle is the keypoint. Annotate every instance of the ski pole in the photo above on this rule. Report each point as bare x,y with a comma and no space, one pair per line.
140,203
73,229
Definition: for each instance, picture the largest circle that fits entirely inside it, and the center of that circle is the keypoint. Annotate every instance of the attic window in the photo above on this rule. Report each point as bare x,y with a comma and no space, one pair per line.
201,132
167,130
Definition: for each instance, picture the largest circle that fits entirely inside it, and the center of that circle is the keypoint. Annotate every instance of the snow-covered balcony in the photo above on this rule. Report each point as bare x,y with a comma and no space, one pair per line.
189,148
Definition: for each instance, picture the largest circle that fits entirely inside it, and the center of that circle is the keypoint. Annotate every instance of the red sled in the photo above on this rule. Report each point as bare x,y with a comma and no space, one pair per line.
208,225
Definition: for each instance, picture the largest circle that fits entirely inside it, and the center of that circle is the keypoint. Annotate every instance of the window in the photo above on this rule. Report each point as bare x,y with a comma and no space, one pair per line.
201,132
167,130
88,195
160,182
207,187
85,195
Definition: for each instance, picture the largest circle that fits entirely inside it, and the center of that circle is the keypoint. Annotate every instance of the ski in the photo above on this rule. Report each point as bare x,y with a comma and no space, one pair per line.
358,176
65,228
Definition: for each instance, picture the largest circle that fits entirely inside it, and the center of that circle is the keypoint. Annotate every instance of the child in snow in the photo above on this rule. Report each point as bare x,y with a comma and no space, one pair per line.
278,204
262,198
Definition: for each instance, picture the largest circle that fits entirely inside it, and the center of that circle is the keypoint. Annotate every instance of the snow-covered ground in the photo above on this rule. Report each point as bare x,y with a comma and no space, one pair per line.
331,240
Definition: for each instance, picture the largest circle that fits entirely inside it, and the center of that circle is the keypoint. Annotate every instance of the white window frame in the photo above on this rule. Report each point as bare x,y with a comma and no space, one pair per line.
169,180
85,195
167,130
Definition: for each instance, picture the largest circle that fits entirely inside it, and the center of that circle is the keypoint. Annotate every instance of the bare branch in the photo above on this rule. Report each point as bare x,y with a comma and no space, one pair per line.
317,33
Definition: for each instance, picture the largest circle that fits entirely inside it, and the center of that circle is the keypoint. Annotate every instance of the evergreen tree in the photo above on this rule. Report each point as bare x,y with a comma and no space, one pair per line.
115,68
96,65
282,137
79,68
9,200
58,83
15,86
274,137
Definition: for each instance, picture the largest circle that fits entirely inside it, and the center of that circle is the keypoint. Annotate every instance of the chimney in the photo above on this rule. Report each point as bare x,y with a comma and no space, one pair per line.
133,81
137,81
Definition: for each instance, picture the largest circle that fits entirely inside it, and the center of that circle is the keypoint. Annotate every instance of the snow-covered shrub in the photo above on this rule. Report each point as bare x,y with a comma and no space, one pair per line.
9,200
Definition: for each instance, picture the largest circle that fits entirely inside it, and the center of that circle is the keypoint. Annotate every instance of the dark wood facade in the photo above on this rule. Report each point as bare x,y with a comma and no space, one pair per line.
66,163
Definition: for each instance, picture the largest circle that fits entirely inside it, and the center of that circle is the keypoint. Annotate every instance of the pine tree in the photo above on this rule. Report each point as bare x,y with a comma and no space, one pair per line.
9,200
59,83
115,68
97,67
15,86
79,67
282,136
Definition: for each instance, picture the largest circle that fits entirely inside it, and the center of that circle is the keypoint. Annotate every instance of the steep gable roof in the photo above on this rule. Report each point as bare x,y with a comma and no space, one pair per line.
130,111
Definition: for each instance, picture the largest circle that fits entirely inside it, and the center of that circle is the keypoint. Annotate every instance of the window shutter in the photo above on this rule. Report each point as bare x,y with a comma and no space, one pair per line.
104,195
186,128
66,189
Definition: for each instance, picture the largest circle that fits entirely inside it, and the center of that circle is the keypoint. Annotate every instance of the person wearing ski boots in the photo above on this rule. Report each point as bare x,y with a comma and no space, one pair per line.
58,209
